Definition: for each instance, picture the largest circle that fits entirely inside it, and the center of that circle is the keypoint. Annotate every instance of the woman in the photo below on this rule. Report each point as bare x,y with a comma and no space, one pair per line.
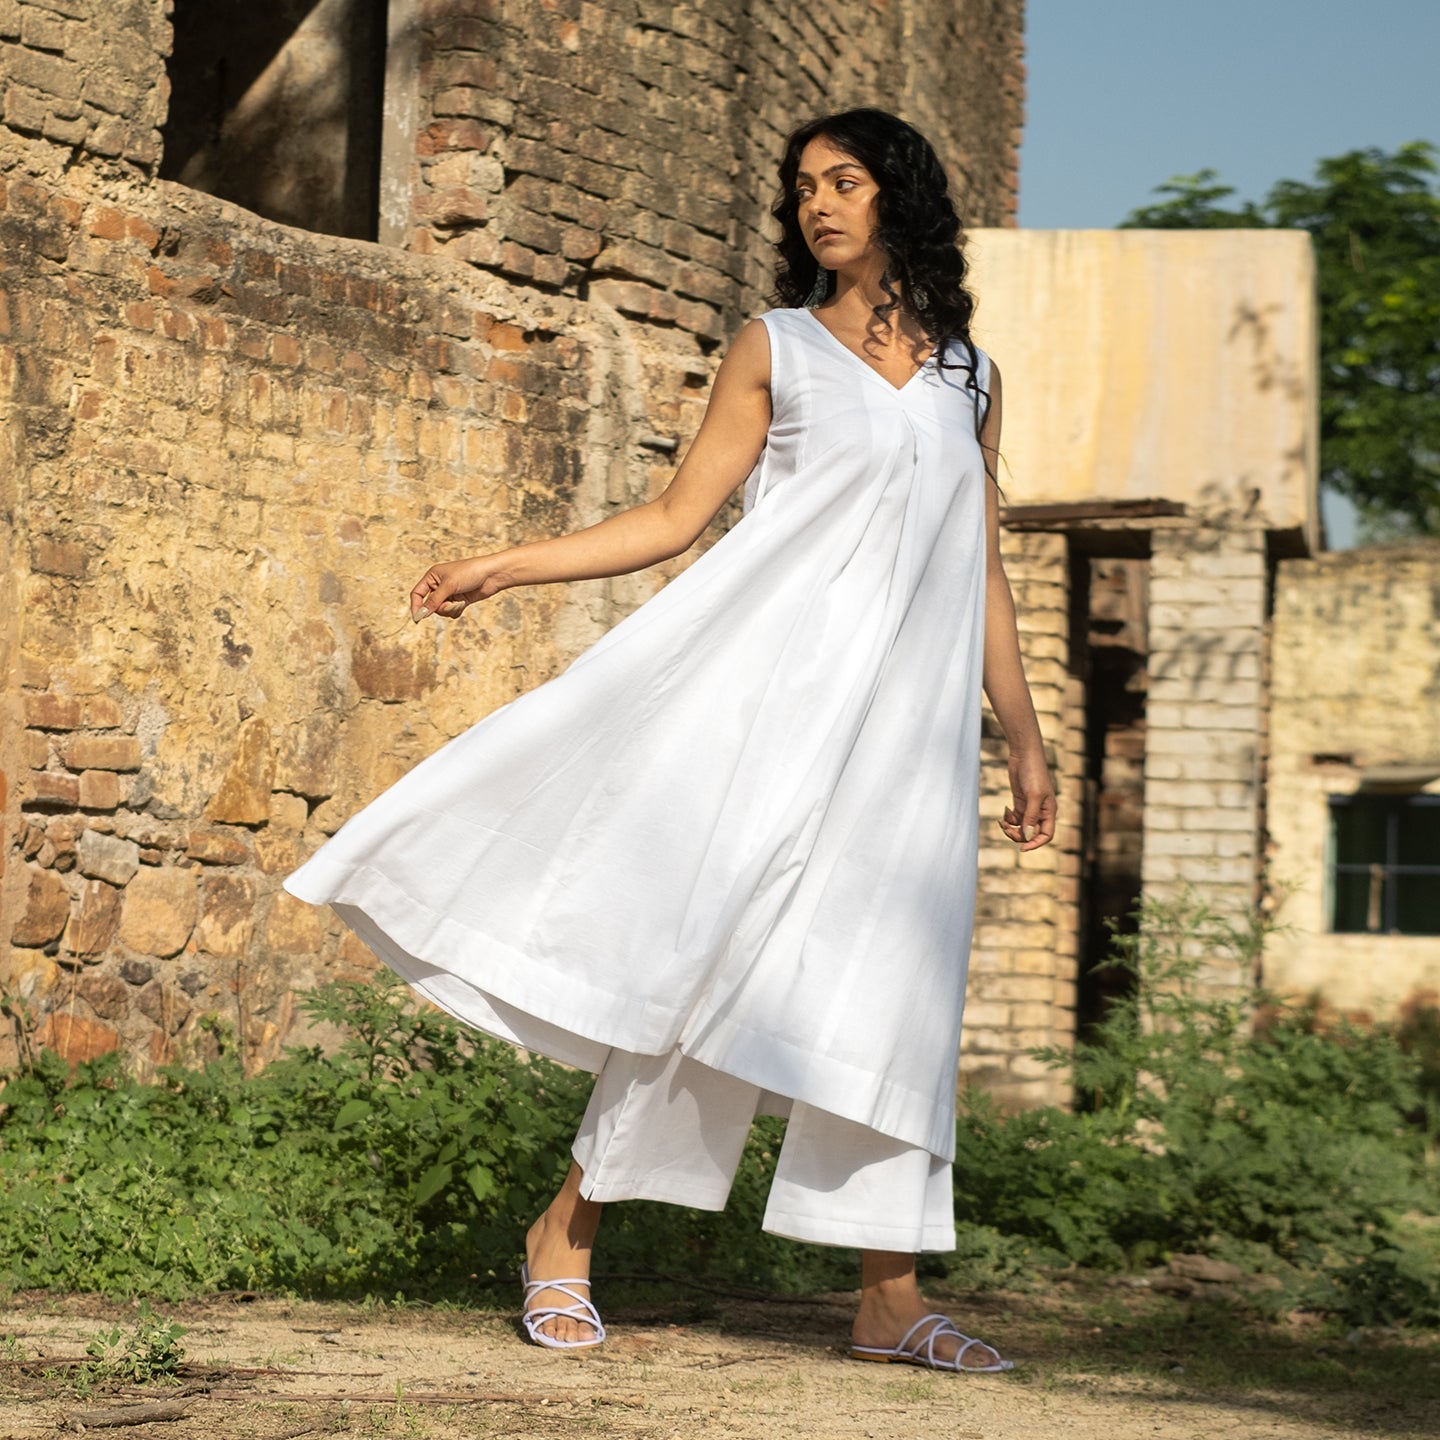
727,860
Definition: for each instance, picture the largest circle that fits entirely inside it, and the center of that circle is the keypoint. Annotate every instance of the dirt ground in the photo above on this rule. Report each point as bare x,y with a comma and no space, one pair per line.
1096,1363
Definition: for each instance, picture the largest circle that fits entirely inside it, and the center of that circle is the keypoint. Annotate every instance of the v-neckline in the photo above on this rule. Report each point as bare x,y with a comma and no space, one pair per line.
860,360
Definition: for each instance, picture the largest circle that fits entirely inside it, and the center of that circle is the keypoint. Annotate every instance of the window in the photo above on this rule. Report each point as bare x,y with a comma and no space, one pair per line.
277,106
1385,864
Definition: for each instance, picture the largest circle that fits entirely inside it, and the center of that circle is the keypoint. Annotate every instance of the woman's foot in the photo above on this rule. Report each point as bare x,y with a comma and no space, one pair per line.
558,1247
891,1312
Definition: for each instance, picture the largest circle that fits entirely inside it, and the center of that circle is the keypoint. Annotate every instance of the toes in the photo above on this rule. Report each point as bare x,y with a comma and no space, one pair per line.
977,1357
564,1329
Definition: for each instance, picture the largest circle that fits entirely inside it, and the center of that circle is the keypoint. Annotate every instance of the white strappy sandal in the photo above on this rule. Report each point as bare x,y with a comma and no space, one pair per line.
582,1310
922,1350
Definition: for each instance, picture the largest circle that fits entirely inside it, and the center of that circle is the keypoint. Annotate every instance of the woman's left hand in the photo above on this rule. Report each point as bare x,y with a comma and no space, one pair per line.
1030,818
447,588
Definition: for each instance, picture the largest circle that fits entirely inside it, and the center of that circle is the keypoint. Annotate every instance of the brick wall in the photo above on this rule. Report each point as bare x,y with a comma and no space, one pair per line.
84,79
1021,993
233,448
1203,771
228,447
627,151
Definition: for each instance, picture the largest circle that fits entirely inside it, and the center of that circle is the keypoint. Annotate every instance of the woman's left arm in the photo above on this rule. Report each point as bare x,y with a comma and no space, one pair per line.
1029,820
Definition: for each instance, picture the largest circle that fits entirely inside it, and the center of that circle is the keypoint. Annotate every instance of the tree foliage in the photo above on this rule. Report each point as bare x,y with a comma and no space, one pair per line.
1375,221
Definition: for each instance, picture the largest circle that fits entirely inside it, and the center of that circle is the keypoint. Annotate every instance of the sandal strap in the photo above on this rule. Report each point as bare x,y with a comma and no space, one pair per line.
581,1310
924,1348
939,1325
531,1286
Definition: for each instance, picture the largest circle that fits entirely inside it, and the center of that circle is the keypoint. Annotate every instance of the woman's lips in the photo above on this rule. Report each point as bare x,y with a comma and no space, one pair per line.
823,235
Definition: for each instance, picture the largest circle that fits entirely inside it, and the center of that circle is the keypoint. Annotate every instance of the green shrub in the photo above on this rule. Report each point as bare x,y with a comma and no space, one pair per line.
411,1159
1212,1123
414,1156
150,1352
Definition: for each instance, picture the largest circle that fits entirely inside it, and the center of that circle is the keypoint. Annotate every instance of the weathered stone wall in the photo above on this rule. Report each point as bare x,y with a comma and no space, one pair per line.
1355,704
227,447
232,450
1174,365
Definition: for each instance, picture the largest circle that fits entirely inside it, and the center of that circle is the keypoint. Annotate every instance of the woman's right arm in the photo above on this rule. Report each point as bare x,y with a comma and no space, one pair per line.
731,438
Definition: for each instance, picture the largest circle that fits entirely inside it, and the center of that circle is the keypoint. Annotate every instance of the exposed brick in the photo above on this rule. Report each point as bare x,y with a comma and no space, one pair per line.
49,74
51,788
102,713
102,752
109,137
59,557
99,790
200,463
445,135
53,712
110,92
65,132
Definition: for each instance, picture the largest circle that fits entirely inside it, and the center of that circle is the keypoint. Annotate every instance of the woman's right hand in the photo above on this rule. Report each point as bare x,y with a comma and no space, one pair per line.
447,588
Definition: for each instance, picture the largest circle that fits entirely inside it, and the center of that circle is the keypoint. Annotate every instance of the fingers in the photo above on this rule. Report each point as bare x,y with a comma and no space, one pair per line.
435,594
1030,822
1038,826
421,595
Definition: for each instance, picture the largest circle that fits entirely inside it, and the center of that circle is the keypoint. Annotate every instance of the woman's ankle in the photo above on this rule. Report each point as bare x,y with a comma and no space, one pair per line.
568,1223
886,1272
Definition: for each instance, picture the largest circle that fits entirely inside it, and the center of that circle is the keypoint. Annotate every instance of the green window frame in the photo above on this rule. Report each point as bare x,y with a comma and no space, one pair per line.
1384,864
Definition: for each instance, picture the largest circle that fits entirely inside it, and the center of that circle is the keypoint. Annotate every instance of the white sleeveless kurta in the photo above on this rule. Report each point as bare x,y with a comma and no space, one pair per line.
744,823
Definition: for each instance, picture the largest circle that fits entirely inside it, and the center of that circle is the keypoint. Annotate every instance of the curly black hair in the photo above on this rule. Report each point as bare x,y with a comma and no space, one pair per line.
917,227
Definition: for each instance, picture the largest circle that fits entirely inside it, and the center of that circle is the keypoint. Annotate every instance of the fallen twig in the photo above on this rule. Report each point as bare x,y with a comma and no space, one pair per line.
126,1415
426,1397
195,1368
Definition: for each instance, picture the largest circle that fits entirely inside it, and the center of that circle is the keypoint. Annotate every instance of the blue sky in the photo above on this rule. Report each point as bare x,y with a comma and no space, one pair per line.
1123,94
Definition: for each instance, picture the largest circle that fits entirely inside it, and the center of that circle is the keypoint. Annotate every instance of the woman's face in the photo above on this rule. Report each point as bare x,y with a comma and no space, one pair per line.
836,209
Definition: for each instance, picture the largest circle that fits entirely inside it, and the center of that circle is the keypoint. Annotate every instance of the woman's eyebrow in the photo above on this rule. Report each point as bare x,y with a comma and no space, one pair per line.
832,170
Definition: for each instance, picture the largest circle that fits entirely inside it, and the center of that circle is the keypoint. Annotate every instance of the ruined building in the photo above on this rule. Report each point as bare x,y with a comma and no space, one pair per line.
297,297
294,298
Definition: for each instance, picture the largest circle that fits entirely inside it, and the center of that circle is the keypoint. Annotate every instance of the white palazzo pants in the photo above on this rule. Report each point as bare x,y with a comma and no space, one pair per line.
663,1127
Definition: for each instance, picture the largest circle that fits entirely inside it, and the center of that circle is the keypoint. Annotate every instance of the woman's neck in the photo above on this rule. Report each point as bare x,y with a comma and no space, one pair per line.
859,294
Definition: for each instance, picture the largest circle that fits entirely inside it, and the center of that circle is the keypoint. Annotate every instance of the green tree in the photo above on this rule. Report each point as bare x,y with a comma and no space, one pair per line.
1375,221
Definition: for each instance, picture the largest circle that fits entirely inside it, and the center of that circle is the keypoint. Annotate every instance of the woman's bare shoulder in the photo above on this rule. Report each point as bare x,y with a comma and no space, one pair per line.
747,361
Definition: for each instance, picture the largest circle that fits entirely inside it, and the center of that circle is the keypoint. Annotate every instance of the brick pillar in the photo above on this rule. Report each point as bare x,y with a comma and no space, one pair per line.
1022,966
1203,717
